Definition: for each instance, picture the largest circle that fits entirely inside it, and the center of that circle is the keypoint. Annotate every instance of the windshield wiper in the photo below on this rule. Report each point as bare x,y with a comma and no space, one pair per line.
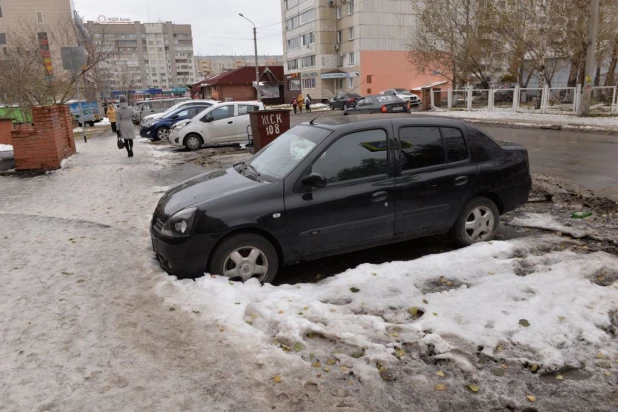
253,171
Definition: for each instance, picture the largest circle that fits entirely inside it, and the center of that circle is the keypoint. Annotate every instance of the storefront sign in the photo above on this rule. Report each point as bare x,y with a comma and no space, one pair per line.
339,75
269,92
309,75
103,19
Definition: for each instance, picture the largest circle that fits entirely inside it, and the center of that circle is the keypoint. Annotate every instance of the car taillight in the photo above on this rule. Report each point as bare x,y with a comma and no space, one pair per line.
384,110
352,100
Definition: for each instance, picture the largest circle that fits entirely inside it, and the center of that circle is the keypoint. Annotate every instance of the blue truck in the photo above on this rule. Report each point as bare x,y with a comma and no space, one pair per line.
91,112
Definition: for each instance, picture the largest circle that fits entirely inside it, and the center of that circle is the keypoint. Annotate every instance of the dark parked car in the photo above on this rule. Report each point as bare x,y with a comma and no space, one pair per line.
159,129
344,101
325,189
379,104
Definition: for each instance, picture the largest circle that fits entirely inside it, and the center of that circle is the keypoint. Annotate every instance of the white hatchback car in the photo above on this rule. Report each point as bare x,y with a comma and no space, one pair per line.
221,123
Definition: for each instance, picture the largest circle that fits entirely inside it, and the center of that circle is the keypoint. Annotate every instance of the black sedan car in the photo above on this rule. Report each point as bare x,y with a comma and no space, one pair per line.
331,188
378,104
344,101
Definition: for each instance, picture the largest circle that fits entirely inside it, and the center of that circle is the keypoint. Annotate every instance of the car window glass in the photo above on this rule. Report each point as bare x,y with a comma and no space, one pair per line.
245,109
222,112
156,105
166,105
360,102
195,110
456,149
354,156
145,106
183,113
368,101
421,147
486,147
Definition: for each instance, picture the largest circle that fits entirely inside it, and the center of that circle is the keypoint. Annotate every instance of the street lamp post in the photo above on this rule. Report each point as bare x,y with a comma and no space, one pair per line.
257,68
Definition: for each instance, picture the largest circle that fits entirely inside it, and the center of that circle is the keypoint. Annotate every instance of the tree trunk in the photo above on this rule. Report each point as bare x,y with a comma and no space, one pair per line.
611,72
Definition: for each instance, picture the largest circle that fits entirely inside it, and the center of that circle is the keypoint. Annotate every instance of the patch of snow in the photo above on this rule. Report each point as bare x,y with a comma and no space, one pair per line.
473,297
104,122
576,228
6,147
78,130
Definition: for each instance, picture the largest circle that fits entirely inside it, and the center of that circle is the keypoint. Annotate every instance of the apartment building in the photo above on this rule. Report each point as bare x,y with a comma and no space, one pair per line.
45,17
208,66
150,58
338,46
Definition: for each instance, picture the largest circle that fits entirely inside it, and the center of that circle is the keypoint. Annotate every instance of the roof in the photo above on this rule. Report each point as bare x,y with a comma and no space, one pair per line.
243,76
339,122
429,85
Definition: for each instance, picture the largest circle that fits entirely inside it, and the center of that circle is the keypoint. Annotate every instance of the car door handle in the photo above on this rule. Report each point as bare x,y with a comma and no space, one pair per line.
461,180
379,196
230,122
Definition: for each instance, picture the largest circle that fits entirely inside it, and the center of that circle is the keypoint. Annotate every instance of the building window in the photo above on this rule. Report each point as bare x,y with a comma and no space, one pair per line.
350,7
339,36
351,32
338,12
294,43
294,85
307,16
2,38
39,17
0,11
308,61
351,59
350,83
309,83
290,3
308,39
293,64
291,23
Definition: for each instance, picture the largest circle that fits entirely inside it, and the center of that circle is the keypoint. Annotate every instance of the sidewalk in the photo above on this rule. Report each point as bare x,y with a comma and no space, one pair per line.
508,118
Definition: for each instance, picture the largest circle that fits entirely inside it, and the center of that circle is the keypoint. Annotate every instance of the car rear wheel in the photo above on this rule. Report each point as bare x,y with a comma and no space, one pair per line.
345,106
478,222
163,133
245,256
193,141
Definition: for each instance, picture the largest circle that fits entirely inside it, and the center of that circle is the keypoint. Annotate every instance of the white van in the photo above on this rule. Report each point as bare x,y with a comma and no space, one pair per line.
147,107
221,123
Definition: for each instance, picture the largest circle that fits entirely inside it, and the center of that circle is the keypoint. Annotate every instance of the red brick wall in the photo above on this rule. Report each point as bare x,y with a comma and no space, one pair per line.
238,93
6,126
44,145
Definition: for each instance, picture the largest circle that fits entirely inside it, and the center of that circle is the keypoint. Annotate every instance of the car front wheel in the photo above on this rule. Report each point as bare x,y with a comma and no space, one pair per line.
193,141
245,256
345,106
163,133
478,222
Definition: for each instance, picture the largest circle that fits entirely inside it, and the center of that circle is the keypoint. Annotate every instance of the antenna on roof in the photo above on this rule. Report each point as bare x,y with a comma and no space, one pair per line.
312,121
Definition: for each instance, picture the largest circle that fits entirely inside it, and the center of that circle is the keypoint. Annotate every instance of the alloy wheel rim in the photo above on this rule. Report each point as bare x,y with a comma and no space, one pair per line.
163,133
245,263
479,224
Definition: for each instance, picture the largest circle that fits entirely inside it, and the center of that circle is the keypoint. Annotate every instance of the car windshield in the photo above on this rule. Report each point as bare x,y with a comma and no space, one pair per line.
173,108
402,91
279,158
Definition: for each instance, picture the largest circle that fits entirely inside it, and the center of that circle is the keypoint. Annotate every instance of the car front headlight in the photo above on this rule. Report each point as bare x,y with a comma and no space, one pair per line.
180,125
180,223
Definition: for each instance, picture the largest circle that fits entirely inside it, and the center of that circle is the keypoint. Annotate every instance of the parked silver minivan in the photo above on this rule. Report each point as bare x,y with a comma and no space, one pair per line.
148,107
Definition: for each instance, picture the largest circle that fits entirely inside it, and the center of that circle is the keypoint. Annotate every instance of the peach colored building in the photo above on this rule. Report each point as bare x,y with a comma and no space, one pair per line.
332,47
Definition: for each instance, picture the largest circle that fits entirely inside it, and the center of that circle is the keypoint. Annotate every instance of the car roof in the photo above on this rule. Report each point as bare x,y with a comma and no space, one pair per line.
352,122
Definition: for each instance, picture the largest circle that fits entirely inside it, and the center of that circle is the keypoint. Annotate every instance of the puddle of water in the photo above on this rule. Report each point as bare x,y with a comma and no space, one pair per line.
571,374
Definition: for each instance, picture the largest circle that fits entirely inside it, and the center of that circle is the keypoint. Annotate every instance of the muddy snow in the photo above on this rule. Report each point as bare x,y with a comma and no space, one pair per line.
92,323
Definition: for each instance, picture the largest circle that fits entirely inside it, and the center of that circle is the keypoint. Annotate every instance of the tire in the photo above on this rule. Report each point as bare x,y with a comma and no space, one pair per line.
345,106
91,124
244,256
193,141
163,133
478,222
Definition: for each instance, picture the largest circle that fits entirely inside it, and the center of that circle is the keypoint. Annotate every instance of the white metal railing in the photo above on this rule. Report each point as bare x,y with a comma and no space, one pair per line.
327,94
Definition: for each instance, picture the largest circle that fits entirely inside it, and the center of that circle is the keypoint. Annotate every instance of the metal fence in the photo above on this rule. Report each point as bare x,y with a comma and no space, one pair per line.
551,100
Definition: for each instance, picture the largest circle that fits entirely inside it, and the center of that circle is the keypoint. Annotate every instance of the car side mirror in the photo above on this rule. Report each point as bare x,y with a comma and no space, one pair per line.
315,180
175,116
209,119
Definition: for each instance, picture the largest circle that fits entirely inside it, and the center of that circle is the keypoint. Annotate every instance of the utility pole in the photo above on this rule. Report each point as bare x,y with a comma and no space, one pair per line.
593,25
257,67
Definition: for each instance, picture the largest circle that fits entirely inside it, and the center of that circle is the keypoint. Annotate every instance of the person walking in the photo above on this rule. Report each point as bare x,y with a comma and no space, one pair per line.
300,101
124,117
294,104
308,103
111,115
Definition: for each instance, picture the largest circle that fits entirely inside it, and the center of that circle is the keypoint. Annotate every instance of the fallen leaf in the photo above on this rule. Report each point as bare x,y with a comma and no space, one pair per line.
498,372
236,303
374,274
253,316
524,323
277,379
316,364
290,300
473,388
318,276
298,347
499,348
440,374
608,373
333,310
413,311
306,308
425,302
310,335
440,387
318,375
297,286
172,309
231,283
312,355
343,368
300,313
490,273
285,347
221,329
380,367
195,311
531,398
213,276
394,334
357,355
280,312
435,314
559,377
354,290
504,366
600,355
534,367
449,283
400,352
326,369
248,322
331,361
560,317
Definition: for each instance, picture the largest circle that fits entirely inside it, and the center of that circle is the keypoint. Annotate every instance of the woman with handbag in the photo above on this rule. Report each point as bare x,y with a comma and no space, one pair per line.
124,122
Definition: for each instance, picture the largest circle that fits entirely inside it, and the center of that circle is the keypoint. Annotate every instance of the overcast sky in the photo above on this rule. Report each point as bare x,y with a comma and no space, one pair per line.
217,28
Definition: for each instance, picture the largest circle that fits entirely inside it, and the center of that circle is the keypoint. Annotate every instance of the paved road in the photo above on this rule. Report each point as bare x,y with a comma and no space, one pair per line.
586,159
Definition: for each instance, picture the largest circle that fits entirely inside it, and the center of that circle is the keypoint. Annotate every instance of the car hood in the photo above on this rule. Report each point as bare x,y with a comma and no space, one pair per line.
204,187
152,117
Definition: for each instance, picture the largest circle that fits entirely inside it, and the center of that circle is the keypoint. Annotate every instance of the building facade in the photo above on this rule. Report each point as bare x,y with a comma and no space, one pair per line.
341,46
208,66
46,18
150,58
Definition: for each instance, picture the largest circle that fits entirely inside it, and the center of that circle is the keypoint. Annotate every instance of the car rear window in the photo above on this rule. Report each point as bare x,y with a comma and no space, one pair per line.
486,147
421,147
456,149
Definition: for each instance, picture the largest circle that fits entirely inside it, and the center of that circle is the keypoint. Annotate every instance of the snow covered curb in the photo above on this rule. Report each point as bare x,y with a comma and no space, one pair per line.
578,229
506,300
6,148
507,118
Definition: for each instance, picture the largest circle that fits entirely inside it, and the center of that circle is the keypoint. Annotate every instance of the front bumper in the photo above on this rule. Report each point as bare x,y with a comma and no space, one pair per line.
147,132
174,138
183,257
